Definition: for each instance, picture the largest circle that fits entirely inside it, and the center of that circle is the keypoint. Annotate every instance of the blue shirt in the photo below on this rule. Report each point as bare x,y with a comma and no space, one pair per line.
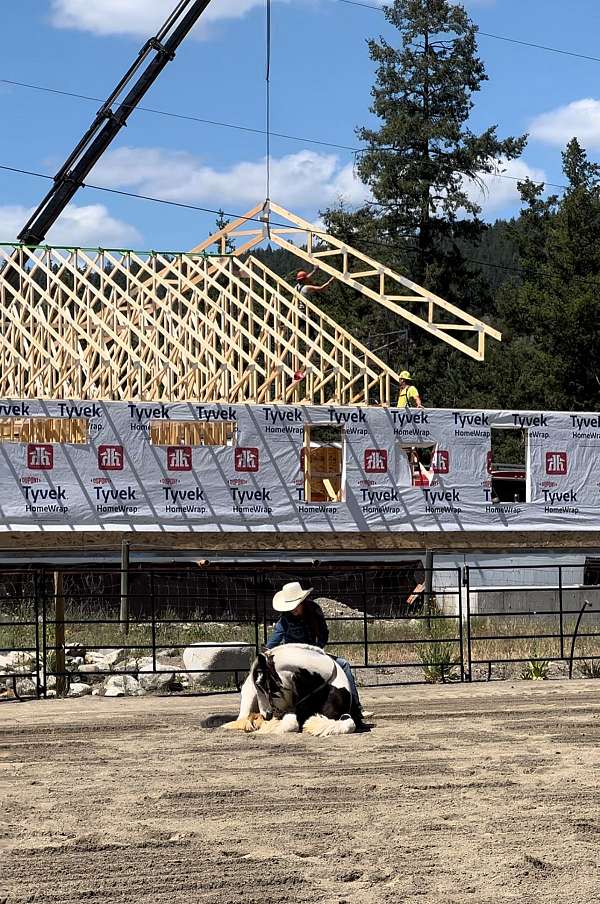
290,629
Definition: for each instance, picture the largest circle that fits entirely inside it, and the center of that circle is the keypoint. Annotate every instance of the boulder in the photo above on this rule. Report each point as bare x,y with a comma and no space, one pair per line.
15,661
79,689
223,659
122,686
111,657
26,687
151,681
90,669
113,687
96,658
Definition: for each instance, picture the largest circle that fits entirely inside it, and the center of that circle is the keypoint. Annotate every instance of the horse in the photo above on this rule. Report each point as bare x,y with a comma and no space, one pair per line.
297,687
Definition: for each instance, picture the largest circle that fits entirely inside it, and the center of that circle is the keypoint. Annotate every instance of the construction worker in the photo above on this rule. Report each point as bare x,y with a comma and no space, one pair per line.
409,394
307,288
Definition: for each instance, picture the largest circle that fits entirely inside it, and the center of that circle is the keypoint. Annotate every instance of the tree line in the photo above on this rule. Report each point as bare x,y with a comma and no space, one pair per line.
535,277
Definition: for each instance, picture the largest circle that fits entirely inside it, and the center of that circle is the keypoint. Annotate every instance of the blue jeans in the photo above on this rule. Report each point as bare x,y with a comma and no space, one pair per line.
345,666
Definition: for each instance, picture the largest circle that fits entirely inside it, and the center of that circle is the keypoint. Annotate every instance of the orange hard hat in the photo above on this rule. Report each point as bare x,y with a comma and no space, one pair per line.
301,274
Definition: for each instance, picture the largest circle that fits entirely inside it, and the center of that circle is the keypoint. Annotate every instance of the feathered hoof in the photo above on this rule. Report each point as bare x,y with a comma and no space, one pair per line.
251,723
286,725
322,727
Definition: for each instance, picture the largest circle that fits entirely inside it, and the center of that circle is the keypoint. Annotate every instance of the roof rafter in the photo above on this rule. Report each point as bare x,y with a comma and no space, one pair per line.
419,306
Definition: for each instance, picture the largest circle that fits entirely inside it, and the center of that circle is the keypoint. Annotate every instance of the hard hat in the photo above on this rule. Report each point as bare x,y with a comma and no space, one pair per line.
301,274
404,375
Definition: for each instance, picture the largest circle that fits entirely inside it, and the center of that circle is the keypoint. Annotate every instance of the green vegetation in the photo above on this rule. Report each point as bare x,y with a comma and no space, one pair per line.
535,277
536,669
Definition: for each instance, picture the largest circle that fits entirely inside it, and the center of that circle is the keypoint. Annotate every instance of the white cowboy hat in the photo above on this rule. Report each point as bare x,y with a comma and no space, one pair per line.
290,596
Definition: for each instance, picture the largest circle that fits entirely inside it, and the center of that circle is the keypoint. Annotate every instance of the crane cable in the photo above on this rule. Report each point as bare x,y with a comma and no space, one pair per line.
267,204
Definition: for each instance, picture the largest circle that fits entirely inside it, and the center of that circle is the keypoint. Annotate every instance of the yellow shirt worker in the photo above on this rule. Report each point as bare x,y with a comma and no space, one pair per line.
409,394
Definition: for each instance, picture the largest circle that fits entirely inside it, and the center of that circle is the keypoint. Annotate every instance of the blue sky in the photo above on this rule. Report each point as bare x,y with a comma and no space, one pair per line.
321,79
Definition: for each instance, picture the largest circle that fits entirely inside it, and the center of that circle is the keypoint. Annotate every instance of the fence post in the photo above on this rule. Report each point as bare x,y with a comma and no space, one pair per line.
469,652
365,622
124,613
36,615
428,577
44,631
560,613
264,608
59,634
460,623
153,612
255,588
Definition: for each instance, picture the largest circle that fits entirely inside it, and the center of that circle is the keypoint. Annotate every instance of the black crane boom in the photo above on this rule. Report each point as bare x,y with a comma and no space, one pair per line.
151,60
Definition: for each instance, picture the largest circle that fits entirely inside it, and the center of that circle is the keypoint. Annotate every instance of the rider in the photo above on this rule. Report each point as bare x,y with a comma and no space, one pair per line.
302,621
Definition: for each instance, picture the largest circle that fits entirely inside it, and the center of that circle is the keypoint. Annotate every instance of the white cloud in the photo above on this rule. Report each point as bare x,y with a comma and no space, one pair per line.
90,225
137,18
499,193
306,180
579,119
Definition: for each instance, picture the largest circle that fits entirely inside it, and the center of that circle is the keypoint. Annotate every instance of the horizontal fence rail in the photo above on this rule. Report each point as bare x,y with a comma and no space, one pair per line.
195,630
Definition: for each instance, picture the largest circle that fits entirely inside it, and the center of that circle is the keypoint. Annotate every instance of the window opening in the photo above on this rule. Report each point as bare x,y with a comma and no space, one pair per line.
418,464
192,433
591,572
323,463
507,465
58,430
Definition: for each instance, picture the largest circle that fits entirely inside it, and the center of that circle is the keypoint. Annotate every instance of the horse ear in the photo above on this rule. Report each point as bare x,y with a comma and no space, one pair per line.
261,660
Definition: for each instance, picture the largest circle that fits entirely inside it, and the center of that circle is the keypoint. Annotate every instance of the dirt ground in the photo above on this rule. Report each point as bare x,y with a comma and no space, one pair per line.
488,793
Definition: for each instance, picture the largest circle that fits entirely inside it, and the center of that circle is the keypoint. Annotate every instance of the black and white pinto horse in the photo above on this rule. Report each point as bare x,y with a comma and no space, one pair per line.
297,687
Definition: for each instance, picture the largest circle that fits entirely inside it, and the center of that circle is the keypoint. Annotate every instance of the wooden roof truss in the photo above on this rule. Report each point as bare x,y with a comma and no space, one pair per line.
124,326
378,283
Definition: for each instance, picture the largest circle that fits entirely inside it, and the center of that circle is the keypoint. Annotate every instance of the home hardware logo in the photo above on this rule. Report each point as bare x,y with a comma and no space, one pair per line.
440,462
40,457
246,459
556,463
376,461
179,458
110,458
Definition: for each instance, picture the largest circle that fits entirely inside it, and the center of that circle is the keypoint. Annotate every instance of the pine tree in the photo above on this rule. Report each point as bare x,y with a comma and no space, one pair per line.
419,161
419,164
553,317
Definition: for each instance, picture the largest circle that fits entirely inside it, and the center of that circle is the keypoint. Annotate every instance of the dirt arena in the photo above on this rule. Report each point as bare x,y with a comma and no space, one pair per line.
488,793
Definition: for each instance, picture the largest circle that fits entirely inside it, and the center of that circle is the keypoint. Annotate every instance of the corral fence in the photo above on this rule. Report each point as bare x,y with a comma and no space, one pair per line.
396,623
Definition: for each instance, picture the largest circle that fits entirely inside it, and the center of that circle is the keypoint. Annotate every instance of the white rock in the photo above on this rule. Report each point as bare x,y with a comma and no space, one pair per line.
131,686
95,658
79,689
89,669
114,692
111,657
121,686
160,680
227,657
113,687
11,662
26,687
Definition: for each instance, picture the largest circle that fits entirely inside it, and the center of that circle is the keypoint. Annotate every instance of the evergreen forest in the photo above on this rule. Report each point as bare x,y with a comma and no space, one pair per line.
535,277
